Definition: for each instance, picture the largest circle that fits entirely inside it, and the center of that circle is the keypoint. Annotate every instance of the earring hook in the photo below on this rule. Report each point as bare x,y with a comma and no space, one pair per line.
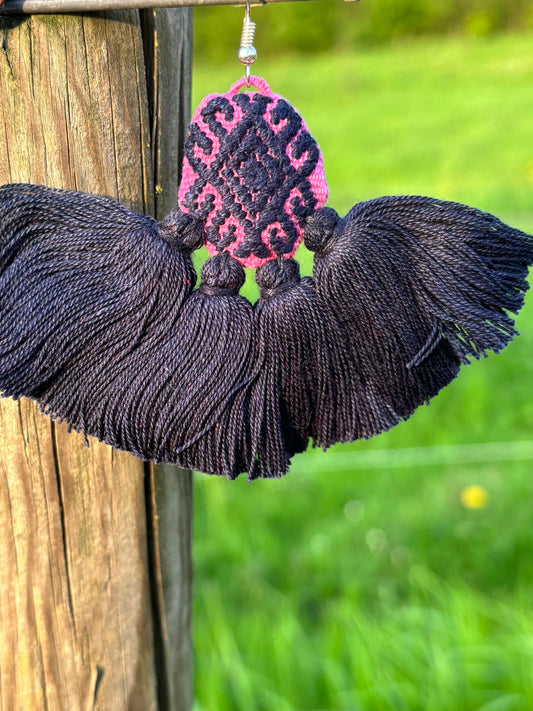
247,53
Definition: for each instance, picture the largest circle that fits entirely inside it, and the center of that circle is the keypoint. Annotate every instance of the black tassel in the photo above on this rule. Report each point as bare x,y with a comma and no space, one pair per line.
196,412
418,286
99,324
86,286
281,407
308,386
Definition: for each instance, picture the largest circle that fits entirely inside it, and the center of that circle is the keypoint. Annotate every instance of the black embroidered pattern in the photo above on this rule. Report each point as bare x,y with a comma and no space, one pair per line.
260,172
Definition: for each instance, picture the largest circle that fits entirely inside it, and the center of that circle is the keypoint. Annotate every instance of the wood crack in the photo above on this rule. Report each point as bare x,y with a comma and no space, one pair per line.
57,467
156,592
4,46
100,671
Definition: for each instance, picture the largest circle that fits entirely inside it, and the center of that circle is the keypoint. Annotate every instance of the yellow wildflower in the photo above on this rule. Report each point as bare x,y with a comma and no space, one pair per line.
474,497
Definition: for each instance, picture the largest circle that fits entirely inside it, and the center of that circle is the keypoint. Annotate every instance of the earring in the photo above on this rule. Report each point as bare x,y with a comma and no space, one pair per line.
110,335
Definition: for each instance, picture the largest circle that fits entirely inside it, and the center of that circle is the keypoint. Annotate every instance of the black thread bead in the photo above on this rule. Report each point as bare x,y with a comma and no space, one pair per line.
222,275
182,232
277,276
319,228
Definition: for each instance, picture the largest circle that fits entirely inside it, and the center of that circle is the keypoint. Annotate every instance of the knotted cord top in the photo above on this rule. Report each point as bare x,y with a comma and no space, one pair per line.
252,173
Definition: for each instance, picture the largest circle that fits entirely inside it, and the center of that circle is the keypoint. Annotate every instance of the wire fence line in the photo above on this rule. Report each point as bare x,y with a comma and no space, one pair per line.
407,457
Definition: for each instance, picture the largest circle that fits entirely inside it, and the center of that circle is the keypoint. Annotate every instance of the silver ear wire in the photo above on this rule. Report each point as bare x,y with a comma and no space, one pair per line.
247,53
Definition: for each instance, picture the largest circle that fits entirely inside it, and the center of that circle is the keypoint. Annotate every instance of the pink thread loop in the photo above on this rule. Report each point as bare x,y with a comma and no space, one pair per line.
257,82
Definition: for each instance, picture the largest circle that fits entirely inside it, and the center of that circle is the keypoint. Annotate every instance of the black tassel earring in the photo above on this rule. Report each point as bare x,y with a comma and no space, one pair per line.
101,325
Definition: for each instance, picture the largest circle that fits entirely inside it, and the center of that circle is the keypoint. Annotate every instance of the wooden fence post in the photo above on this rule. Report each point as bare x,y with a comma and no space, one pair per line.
80,623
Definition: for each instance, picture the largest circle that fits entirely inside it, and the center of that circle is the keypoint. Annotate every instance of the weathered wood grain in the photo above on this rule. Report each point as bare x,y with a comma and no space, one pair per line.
75,610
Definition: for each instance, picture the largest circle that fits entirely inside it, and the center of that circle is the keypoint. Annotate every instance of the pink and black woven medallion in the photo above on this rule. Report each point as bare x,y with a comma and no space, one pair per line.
252,173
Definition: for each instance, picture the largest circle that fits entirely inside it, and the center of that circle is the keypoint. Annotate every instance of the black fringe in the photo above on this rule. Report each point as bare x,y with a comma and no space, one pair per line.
418,286
308,384
208,366
100,324
84,284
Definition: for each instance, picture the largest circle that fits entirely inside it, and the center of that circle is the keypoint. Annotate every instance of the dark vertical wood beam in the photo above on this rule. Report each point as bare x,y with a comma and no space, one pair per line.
167,36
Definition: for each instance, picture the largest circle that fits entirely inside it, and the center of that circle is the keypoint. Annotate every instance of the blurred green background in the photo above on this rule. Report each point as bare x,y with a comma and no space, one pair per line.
395,573
334,25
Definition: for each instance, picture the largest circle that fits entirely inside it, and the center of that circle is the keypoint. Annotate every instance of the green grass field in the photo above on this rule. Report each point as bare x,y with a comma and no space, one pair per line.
361,581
